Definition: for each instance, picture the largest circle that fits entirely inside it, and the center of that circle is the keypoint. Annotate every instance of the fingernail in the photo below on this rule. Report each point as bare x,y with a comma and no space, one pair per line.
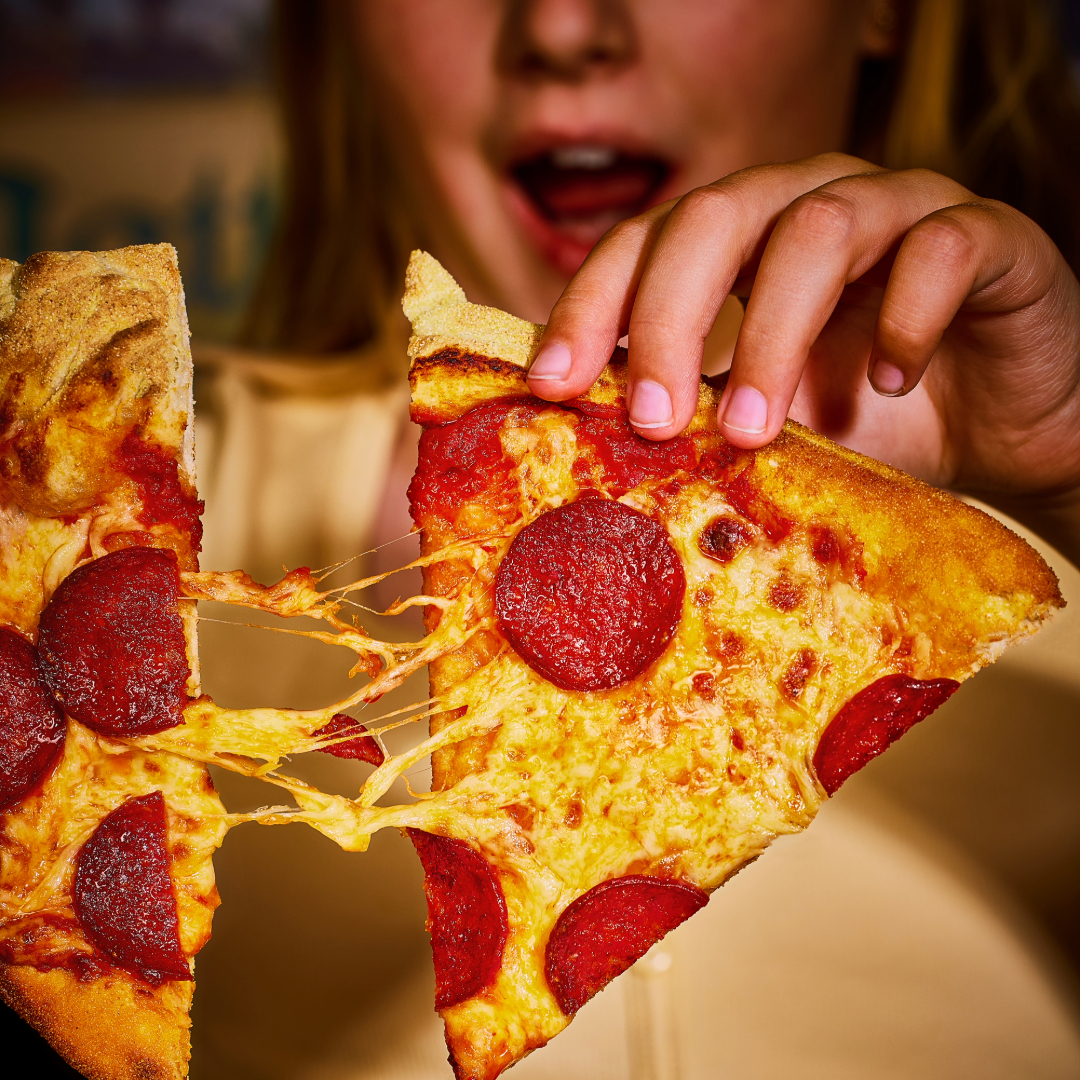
551,362
747,410
650,406
887,379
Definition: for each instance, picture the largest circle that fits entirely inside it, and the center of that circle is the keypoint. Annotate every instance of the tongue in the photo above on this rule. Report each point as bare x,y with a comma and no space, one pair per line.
570,196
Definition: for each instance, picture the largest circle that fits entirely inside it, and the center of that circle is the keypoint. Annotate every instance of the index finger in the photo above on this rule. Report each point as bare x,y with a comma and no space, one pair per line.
594,309
703,240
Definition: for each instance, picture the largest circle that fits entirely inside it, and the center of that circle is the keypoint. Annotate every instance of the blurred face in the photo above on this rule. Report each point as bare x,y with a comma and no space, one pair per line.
529,127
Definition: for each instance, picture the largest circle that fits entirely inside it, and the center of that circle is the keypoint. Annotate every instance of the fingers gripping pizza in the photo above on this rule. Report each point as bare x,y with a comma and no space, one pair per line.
647,661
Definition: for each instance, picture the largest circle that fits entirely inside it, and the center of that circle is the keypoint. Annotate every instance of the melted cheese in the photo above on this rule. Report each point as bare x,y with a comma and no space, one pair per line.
688,772
42,837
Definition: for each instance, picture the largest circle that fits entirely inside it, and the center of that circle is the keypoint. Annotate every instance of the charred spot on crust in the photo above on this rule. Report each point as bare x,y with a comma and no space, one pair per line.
724,537
461,360
462,366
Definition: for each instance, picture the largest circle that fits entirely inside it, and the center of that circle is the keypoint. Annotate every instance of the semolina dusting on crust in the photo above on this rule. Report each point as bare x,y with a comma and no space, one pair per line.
91,344
492,347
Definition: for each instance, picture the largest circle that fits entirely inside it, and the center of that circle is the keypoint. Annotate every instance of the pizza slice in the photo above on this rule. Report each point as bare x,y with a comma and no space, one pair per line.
106,881
682,648
646,661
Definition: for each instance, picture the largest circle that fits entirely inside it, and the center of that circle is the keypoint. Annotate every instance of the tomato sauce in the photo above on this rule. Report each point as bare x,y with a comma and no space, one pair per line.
164,498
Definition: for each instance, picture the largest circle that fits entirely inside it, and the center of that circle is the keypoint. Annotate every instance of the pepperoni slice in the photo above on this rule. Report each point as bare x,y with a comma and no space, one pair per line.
361,748
872,721
32,727
590,594
466,917
123,893
606,929
112,645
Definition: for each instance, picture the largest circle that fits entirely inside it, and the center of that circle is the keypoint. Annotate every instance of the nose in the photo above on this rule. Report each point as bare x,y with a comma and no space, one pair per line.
566,39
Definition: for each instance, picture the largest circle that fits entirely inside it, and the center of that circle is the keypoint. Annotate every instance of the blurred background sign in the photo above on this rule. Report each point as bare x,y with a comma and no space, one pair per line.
136,121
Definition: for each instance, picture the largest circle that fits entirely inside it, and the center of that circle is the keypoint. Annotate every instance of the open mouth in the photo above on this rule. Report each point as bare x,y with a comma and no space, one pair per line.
576,193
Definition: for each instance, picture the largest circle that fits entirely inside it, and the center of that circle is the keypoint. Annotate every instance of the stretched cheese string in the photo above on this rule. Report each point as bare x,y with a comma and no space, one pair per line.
255,741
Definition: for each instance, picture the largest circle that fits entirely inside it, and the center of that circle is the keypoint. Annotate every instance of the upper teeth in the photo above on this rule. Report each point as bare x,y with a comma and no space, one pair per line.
583,157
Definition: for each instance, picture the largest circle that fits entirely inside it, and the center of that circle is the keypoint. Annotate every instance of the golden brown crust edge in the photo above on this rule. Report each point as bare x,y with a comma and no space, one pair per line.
147,1031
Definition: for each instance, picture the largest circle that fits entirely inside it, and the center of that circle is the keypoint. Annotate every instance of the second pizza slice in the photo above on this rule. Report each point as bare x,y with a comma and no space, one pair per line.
688,647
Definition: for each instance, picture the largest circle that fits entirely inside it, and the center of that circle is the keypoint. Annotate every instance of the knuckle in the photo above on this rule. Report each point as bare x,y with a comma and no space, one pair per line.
825,213
838,162
656,324
716,203
626,234
927,179
946,238
902,329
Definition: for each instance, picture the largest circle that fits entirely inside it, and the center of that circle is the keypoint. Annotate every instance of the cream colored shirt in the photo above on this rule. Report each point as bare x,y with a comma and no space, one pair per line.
294,455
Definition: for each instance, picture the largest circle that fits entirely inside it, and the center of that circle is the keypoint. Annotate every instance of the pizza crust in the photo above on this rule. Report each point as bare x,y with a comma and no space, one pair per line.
108,1029
90,345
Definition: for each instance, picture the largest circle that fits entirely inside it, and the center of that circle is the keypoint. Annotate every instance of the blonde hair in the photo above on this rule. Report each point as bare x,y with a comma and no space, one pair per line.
979,90
344,229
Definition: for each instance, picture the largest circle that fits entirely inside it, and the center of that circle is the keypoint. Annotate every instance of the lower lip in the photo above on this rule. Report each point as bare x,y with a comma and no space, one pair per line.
562,252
